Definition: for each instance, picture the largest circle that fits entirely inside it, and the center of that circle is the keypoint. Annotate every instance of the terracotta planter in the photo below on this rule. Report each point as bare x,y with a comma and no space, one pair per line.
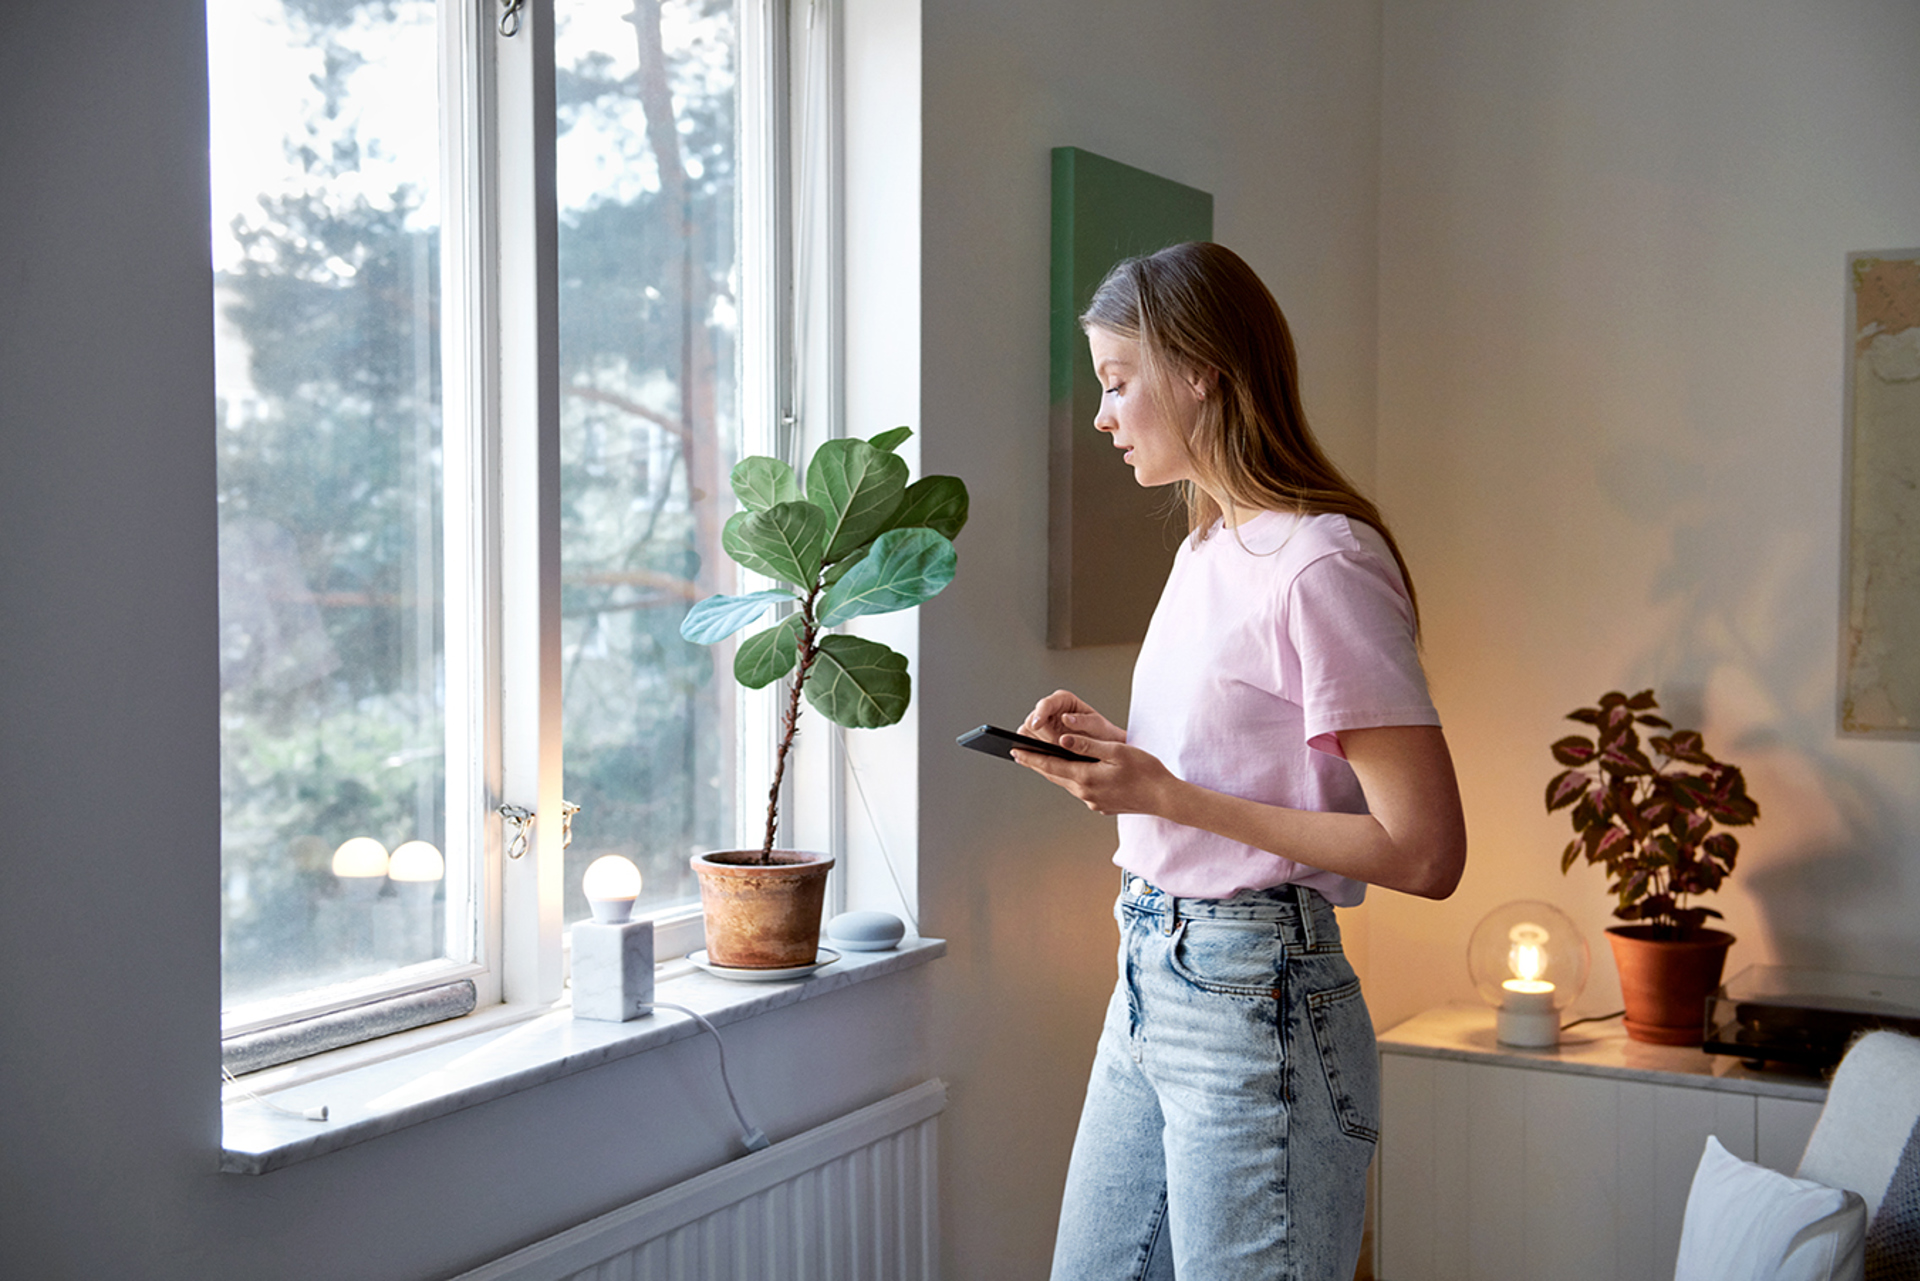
1665,982
762,916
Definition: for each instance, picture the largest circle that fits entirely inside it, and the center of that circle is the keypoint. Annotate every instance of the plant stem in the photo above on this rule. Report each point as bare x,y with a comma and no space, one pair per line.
809,650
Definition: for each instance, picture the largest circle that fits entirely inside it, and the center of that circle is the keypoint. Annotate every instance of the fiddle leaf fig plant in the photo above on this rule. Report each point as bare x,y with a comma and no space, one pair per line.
856,539
1650,822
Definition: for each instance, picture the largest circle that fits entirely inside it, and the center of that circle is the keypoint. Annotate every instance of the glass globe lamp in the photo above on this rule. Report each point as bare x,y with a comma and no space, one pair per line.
1529,961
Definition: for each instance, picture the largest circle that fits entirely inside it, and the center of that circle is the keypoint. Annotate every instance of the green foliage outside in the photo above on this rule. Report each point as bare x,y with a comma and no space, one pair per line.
333,697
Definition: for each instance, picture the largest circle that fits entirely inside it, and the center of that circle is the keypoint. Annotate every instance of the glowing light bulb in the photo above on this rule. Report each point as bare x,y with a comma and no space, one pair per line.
361,857
361,865
416,861
611,883
1527,958
1529,999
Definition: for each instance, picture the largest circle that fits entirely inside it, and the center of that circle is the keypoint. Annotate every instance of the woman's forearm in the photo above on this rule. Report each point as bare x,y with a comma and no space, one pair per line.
1414,840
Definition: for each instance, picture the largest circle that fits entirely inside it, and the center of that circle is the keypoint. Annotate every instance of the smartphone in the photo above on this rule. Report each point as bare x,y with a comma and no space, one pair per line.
1001,742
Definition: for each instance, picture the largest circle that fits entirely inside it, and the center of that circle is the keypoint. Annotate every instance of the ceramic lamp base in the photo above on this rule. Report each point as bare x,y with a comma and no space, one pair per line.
1528,1029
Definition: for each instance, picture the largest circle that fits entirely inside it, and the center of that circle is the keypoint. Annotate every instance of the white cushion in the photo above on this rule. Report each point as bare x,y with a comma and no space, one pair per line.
1748,1223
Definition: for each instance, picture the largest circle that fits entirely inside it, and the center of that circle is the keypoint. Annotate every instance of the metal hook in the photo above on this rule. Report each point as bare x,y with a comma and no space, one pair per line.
510,17
519,821
567,810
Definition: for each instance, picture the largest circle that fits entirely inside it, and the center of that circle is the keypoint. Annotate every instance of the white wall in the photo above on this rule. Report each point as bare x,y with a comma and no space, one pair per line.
1274,109
1588,256
109,752
1612,255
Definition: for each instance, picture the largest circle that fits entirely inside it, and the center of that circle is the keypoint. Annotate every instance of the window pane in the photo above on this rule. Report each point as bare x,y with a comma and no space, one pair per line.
326,212
649,409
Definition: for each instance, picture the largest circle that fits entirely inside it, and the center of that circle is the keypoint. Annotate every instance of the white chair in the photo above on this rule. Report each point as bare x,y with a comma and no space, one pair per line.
1871,1109
1853,1210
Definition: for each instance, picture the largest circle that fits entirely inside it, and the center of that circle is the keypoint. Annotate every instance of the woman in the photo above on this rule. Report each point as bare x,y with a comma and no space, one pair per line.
1282,755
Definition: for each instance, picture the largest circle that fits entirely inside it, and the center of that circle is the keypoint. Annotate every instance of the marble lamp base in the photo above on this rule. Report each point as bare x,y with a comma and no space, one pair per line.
612,970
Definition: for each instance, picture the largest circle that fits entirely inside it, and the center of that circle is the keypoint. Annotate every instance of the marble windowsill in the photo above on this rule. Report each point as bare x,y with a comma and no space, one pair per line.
1465,1033
502,1058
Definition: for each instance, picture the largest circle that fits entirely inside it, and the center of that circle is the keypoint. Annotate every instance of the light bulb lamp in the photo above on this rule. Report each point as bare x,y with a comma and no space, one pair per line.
416,863
1529,961
360,864
612,953
416,869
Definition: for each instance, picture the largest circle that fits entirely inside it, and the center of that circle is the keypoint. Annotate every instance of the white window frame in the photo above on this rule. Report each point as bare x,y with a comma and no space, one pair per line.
501,452
531,930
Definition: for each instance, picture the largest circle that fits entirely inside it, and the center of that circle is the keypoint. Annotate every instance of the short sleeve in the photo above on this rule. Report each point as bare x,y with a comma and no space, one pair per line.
1352,626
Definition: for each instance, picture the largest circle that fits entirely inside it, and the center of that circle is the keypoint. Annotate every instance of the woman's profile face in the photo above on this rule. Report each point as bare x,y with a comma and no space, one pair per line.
1151,424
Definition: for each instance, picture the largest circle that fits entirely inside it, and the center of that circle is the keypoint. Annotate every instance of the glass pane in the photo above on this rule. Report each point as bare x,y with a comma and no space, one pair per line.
649,427
325,154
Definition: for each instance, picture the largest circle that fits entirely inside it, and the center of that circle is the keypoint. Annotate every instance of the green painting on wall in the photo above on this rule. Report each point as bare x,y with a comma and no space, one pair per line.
1110,542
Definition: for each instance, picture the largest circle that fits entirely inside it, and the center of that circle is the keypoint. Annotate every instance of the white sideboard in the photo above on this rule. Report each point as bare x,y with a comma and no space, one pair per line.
1557,1165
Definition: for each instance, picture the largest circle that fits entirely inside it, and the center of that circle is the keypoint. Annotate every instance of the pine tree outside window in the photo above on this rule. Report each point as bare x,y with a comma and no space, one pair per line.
484,307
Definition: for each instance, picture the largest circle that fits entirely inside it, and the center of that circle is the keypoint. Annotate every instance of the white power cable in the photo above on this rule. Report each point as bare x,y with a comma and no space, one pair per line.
750,1134
886,857
304,1114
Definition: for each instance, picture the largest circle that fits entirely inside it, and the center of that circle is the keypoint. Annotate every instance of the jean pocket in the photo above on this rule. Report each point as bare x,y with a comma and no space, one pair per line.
1349,1059
1234,958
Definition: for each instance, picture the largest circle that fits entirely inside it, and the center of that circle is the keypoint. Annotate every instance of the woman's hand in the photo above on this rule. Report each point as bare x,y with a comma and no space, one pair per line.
1064,712
1123,780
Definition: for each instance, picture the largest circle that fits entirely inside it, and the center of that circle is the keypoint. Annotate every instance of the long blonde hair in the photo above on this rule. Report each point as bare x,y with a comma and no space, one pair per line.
1199,309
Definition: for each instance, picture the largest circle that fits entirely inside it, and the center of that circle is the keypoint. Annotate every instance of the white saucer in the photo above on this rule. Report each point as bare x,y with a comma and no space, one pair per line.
827,956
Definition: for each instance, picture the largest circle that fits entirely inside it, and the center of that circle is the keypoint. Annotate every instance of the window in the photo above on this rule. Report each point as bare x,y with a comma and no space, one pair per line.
487,350
646,174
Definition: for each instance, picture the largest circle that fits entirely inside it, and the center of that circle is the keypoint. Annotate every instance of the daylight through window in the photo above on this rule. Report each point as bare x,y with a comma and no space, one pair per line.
358,782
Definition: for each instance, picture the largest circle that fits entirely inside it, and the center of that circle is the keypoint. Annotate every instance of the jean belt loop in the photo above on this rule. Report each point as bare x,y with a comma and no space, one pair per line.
1173,913
1303,900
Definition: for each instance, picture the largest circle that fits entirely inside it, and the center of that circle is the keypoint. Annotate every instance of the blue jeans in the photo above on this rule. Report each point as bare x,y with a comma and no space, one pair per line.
1235,1098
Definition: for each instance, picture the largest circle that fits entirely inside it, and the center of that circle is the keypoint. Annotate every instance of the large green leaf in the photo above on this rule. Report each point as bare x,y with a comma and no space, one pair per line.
840,568
859,487
938,503
764,658
761,482
784,542
718,617
890,440
859,683
904,568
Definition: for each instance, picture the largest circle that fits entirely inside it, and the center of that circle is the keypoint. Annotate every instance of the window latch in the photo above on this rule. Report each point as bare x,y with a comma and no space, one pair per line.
510,17
519,821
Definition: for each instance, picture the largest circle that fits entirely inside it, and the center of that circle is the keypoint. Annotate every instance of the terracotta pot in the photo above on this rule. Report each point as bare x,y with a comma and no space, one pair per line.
1665,982
762,916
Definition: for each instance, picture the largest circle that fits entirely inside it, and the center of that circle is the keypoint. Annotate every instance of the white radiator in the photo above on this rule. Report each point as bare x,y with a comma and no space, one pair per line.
853,1200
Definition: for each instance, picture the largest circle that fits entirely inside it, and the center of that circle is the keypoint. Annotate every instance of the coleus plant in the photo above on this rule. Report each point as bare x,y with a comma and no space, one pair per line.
1651,823
857,539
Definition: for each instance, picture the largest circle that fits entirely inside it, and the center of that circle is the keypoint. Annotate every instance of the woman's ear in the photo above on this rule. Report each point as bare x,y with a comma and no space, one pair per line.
1202,382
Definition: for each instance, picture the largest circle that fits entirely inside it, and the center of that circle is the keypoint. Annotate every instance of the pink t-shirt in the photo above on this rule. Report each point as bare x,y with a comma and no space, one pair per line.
1269,640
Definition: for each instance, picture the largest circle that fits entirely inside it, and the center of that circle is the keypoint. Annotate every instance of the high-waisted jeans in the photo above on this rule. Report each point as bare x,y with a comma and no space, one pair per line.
1235,1098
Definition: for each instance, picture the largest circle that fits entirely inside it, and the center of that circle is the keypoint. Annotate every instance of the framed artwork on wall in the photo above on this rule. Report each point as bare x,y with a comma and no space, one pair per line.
1879,652
1110,542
